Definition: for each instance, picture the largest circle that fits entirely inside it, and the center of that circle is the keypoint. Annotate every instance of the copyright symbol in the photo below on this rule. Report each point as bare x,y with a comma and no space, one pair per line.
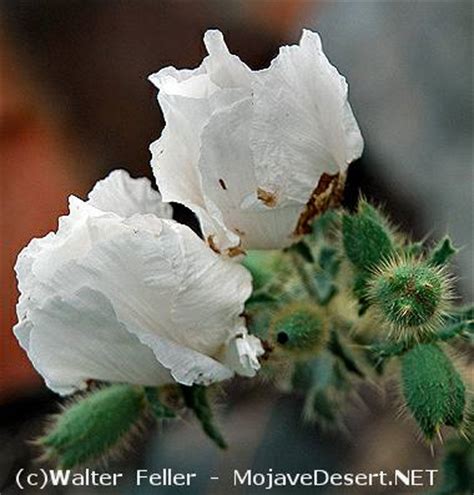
37,480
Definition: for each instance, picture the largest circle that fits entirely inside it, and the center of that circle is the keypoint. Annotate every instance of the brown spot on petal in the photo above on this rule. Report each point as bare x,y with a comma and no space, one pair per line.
235,251
212,244
267,198
231,252
223,184
328,193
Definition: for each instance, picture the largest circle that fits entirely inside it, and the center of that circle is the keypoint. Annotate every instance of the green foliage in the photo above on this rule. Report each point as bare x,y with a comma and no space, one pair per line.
433,389
196,399
458,464
410,295
91,428
299,328
264,267
343,352
330,314
326,389
366,238
160,410
443,252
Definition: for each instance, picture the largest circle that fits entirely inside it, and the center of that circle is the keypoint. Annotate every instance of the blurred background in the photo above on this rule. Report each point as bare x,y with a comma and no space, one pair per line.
75,103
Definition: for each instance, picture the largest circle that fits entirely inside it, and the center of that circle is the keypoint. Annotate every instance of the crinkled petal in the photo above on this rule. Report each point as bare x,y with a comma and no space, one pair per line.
276,135
242,354
76,338
188,98
224,69
120,194
166,287
231,188
303,125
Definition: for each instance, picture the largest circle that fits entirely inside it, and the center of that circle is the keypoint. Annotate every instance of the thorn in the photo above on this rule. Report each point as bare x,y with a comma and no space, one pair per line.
432,450
406,310
440,436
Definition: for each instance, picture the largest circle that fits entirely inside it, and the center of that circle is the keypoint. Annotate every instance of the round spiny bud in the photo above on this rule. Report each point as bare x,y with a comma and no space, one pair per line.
299,328
411,295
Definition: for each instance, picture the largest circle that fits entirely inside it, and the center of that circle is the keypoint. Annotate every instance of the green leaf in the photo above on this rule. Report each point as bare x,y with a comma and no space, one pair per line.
341,351
303,250
96,425
442,253
329,260
196,399
324,287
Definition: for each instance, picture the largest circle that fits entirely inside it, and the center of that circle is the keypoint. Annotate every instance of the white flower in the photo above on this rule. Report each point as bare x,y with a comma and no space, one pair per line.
255,154
122,293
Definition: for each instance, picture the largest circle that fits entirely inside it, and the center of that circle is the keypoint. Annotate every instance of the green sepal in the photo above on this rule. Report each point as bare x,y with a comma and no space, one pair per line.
442,253
327,390
160,410
195,398
329,260
325,225
324,287
433,389
414,249
91,428
302,249
366,239
342,351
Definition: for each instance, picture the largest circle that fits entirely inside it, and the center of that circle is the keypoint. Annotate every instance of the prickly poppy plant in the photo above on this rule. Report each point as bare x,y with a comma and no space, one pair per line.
143,317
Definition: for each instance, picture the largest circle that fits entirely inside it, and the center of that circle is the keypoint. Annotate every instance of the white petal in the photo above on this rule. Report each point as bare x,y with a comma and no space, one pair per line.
231,187
165,285
120,194
224,69
303,125
275,134
188,98
77,338
242,354
170,285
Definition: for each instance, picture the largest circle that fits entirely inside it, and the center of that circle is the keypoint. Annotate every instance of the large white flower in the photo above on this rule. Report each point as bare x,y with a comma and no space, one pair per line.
122,293
255,154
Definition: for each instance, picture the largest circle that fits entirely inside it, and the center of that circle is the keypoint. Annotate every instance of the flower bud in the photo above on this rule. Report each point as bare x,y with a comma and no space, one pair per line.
366,237
411,295
95,426
299,328
433,389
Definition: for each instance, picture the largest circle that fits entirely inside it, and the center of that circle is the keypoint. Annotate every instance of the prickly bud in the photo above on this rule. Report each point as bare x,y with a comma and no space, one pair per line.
366,237
433,389
299,328
95,426
411,295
